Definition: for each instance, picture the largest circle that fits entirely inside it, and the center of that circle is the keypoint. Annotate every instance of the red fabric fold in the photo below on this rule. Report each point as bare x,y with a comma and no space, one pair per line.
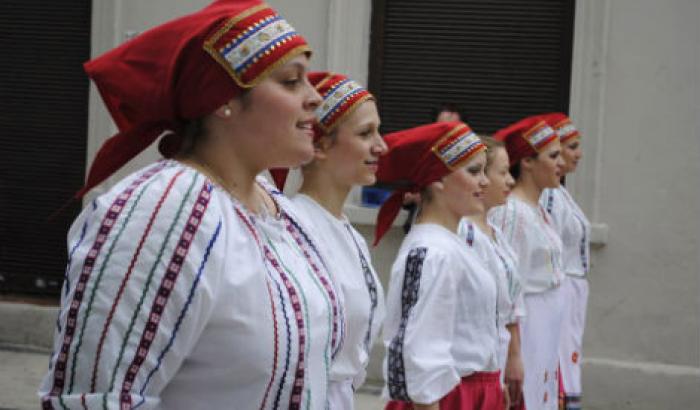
387,213
118,150
279,175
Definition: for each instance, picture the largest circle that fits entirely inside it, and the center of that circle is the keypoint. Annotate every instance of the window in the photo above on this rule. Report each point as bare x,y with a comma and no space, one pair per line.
43,118
498,61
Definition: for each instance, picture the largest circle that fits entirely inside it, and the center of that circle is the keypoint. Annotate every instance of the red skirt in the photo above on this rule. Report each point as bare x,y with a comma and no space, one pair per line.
478,391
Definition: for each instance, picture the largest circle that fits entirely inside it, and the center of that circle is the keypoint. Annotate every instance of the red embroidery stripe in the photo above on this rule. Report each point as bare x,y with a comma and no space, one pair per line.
298,386
127,276
107,224
275,357
166,286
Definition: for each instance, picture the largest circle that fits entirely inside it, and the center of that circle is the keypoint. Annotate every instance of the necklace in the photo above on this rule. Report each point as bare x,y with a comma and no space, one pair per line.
263,209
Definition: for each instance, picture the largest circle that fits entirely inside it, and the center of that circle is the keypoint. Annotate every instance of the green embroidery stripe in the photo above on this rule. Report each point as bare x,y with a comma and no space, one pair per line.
307,322
149,279
86,315
511,221
329,305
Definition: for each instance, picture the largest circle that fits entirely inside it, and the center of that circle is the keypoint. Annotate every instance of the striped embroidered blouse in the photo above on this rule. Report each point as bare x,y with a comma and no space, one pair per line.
350,264
176,297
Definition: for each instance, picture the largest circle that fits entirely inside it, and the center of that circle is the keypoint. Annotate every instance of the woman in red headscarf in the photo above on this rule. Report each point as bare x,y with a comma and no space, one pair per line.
440,332
488,241
189,284
348,147
575,232
535,163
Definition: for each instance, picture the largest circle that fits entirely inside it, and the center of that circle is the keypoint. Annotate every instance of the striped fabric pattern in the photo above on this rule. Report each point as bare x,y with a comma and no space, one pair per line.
146,263
396,370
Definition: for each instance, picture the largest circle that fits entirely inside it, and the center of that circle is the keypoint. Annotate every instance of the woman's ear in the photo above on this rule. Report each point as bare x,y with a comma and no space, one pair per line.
229,109
321,147
526,163
436,187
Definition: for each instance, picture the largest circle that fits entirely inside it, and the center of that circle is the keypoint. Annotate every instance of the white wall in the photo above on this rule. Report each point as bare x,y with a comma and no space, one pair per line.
635,95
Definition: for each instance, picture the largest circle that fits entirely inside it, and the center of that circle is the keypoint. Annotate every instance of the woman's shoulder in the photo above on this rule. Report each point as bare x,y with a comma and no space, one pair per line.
431,244
515,207
161,197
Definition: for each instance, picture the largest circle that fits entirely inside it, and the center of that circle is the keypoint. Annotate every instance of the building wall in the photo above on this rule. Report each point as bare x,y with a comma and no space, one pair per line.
636,98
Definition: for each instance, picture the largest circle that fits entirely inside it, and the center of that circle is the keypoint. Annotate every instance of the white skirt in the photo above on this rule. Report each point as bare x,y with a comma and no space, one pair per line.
575,290
341,395
539,332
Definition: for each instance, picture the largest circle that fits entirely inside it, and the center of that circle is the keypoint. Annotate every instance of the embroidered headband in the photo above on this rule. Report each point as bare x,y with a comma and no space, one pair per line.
419,156
183,70
526,138
562,125
341,97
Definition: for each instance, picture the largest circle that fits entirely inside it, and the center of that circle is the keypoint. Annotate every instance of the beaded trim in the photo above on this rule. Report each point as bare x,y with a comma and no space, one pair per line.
540,135
457,146
248,47
336,99
566,130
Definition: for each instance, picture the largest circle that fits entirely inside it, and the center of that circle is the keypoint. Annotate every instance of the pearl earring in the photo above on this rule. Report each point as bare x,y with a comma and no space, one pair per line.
227,112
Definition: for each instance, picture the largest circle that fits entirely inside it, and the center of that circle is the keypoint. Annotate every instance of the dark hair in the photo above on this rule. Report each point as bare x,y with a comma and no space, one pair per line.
193,131
515,168
449,107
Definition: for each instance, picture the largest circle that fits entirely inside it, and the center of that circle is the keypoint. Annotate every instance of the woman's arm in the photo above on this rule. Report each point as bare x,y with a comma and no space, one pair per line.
514,372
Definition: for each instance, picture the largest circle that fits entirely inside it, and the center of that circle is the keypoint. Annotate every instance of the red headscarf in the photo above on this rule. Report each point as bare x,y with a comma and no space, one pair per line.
341,97
418,157
526,137
562,124
184,70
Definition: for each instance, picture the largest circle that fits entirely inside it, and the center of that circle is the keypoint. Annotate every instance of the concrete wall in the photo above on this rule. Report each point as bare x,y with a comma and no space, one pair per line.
635,96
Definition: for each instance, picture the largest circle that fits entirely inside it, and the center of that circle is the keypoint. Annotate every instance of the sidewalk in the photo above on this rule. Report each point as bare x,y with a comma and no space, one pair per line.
21,373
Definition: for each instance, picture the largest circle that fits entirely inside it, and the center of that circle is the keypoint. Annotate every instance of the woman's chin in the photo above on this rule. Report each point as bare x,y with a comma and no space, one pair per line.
296,158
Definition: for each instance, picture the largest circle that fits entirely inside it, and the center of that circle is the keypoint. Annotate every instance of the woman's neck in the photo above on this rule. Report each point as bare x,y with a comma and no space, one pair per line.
526,190
433,213
325,191
234,175
479,219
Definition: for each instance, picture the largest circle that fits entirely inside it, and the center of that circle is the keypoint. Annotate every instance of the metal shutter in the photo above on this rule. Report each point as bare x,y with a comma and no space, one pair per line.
498,60
43,130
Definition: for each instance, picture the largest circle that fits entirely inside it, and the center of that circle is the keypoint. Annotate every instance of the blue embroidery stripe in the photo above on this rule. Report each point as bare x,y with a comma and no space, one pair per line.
182,314
341,102
371,289
240,68
254,30
396,371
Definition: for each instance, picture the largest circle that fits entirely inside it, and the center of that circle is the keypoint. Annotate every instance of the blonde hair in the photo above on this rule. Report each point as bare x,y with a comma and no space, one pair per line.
491,145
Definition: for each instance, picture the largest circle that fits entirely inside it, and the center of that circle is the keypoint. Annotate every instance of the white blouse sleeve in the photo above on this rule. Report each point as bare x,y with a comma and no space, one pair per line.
555,208
144,264
506,219
420,365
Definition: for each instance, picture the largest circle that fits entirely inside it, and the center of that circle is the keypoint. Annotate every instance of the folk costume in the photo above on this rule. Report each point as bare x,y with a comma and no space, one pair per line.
538,248
501,261
176,296
346,250
440,333
575,231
